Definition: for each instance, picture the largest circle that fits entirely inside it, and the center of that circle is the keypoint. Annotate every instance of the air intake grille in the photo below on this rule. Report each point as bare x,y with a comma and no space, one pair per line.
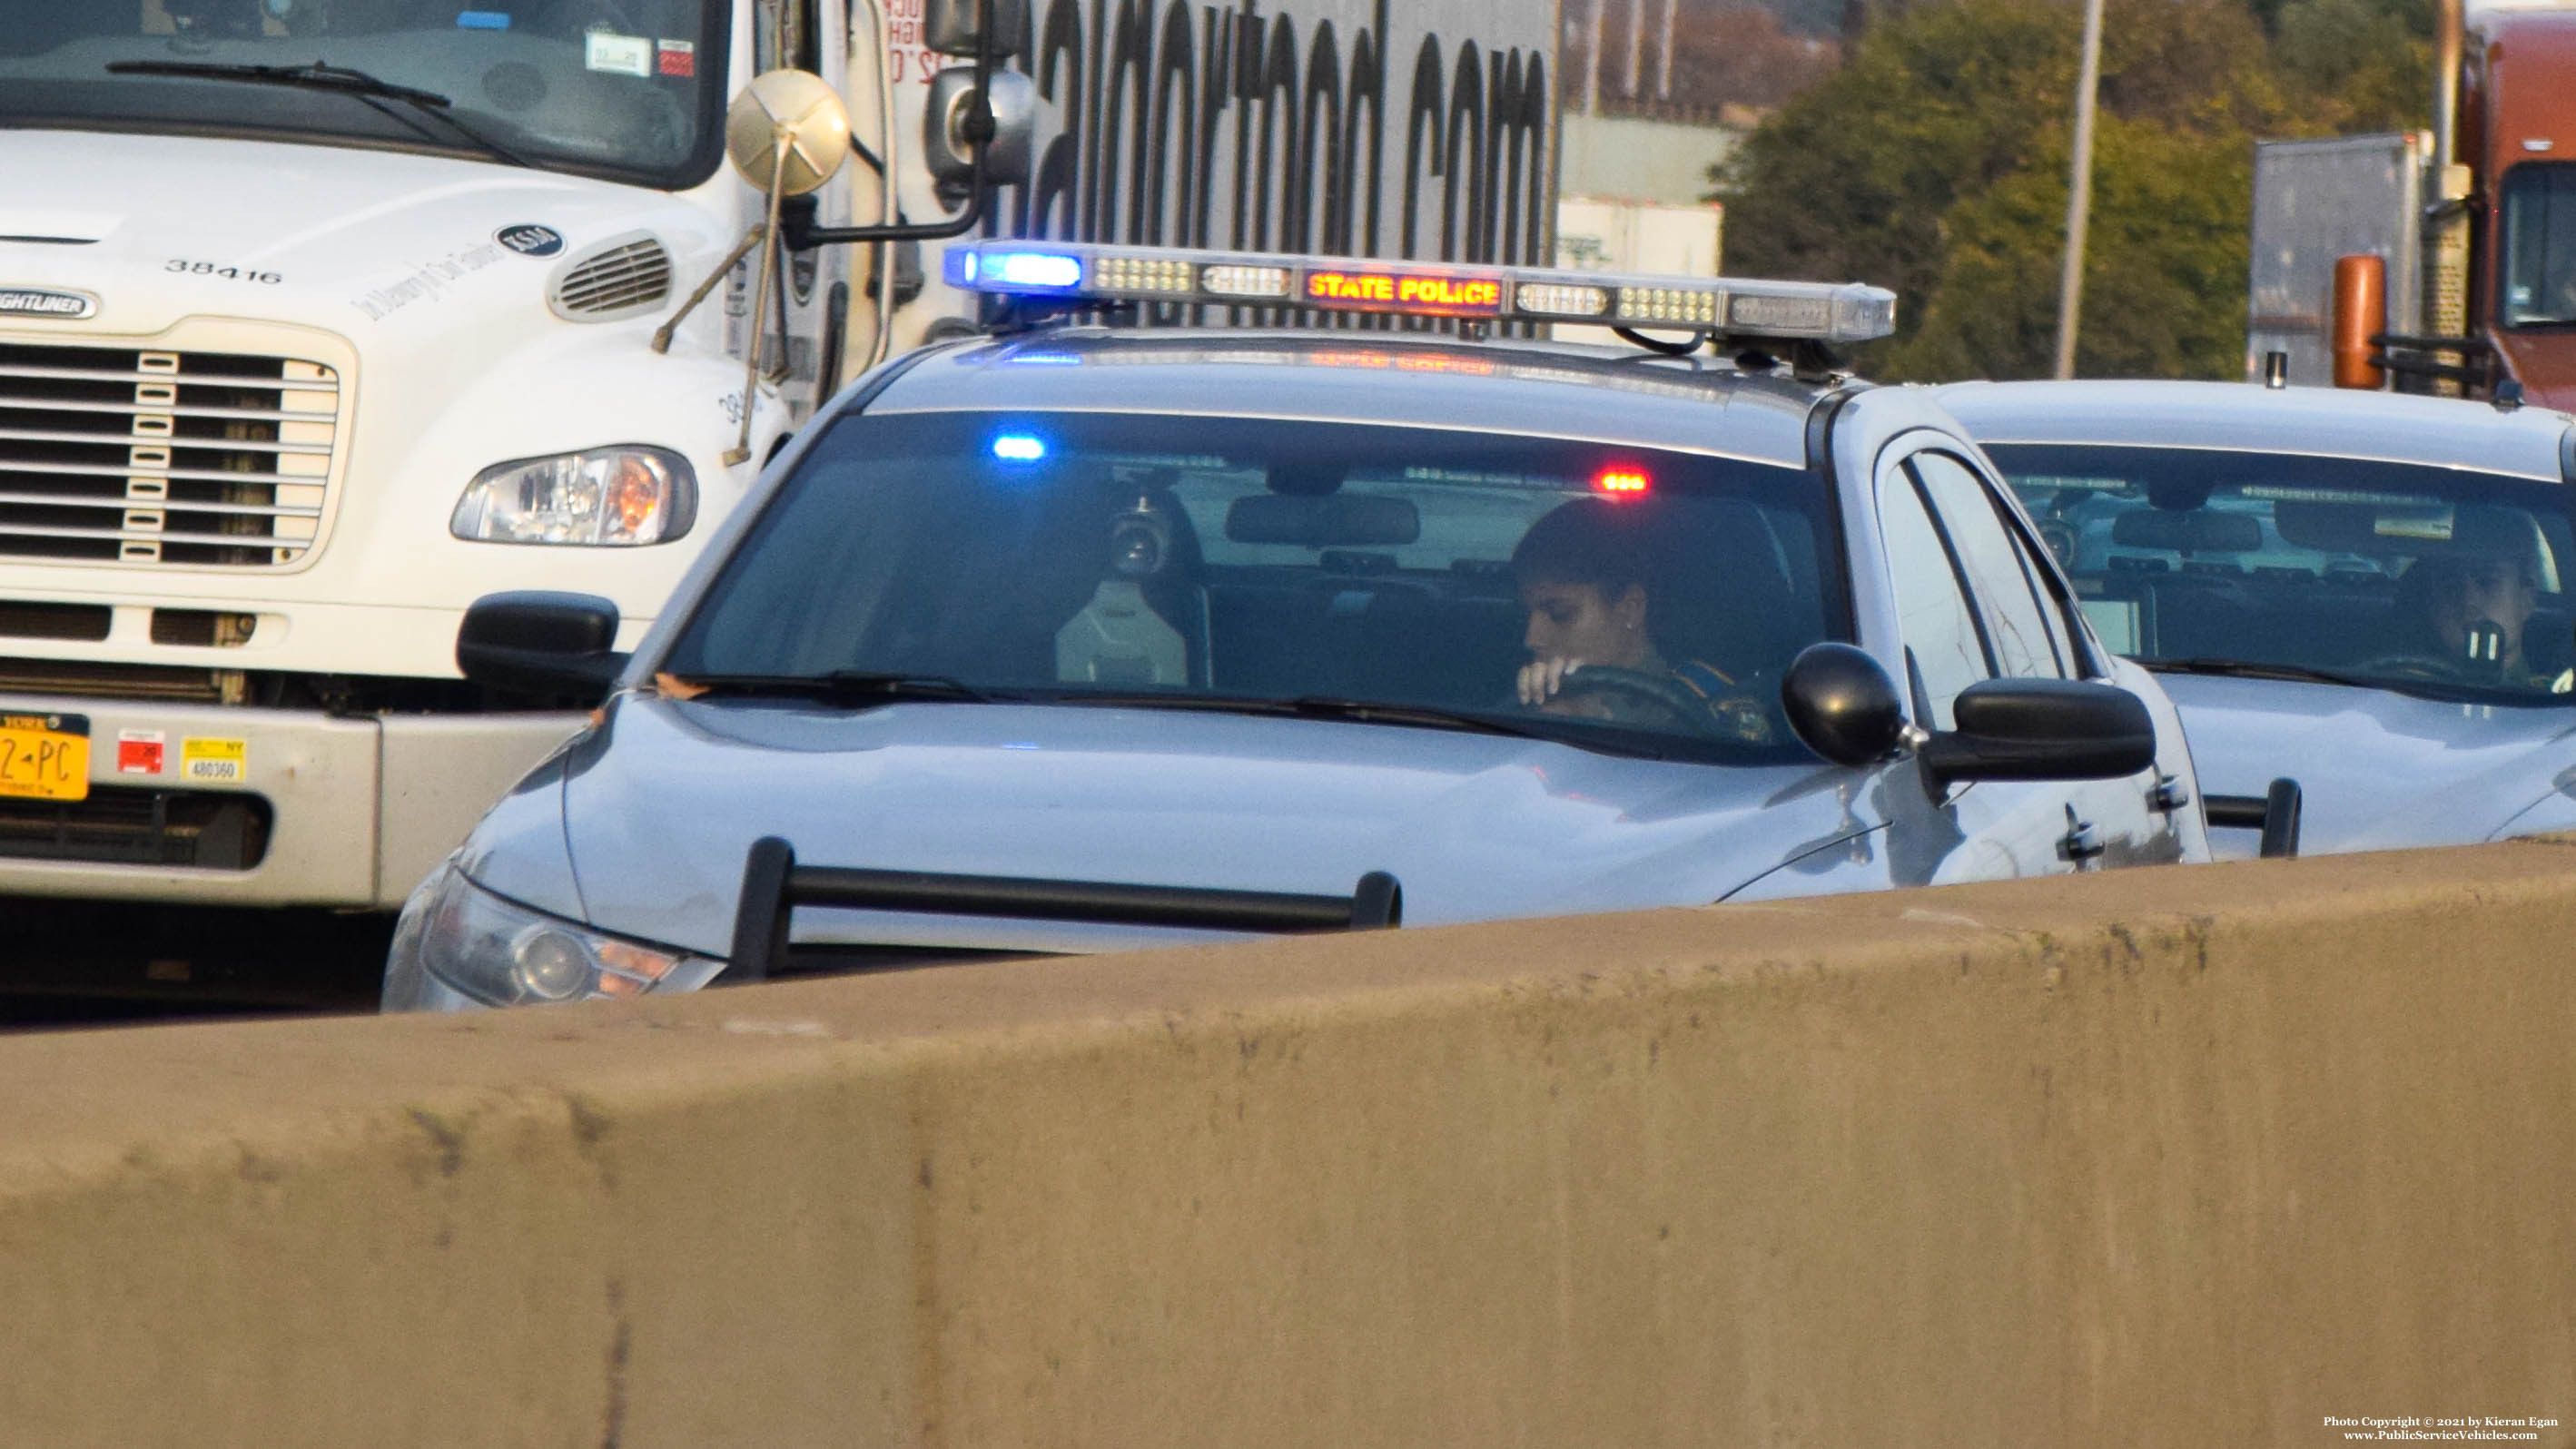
625,278
110,455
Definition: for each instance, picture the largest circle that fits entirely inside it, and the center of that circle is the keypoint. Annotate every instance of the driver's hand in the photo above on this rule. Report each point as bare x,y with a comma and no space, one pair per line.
1541,679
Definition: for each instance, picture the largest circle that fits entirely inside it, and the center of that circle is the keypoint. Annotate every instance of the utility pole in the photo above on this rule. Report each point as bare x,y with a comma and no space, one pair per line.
1592,60
1664,56
1636,43
2079,201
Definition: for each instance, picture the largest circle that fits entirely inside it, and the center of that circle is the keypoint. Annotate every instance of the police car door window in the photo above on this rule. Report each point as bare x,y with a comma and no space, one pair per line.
1941,635
2014,626
2053,609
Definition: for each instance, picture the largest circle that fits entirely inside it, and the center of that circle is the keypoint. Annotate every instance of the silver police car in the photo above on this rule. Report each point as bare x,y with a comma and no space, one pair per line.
1080,637
2363,593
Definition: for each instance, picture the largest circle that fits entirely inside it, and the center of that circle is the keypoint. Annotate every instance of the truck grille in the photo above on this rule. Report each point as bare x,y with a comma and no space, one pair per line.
113,455
129,826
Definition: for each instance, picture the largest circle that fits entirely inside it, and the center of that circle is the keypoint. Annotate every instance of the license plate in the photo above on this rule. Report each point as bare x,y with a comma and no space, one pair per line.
44,756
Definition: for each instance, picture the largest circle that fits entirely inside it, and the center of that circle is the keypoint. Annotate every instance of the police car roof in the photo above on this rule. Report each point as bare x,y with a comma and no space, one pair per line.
1540,389
2529,442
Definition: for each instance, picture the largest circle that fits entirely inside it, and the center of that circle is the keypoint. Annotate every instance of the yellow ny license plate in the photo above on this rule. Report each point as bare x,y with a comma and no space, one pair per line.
45,756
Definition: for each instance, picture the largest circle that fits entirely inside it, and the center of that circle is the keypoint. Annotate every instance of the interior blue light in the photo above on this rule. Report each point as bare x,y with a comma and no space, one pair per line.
1018,448
1031,269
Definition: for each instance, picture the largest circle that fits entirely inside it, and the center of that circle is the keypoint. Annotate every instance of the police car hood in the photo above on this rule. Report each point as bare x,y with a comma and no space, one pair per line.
663,804
2377,770
158,228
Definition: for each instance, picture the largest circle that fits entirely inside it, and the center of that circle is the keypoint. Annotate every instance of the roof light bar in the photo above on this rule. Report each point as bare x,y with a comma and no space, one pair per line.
1718,306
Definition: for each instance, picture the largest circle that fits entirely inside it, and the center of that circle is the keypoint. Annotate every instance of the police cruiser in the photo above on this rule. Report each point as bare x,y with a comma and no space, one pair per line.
1082,636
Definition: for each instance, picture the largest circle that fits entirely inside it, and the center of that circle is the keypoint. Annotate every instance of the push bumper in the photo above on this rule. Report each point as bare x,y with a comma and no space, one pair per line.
219,805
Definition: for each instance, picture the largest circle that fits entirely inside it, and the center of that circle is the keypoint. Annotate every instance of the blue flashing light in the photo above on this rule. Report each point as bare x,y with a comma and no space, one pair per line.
1031,271
1018,448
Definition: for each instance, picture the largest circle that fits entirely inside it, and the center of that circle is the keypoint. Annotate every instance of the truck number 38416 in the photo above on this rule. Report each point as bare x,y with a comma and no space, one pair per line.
209,269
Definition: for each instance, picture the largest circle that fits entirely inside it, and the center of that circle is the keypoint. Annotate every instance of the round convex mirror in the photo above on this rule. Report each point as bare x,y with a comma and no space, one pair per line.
796,109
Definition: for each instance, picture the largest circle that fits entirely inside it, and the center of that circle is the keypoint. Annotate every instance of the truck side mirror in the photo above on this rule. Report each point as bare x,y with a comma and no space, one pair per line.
951,27
2360,313
535,641
787,126
1841,705
947,148
2041,729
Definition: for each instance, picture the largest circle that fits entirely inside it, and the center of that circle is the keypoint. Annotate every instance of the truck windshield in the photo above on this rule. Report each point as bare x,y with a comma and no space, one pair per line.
626,89
2540,244
1278,567
2431,581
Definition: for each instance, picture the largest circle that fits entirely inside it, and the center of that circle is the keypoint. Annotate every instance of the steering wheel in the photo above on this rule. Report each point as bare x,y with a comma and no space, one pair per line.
2417,666
1687,708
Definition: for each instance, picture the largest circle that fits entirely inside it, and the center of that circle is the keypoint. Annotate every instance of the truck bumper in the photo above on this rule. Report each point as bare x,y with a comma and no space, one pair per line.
220,805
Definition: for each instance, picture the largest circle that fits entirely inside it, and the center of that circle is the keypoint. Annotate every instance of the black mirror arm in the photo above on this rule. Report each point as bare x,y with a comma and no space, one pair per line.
979,129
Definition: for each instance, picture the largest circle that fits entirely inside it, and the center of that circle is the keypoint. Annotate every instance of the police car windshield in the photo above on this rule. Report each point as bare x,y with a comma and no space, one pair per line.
1199,561
2432,581
628,89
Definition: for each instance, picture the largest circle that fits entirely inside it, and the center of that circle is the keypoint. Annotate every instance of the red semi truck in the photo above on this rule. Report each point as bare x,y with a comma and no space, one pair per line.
2437,261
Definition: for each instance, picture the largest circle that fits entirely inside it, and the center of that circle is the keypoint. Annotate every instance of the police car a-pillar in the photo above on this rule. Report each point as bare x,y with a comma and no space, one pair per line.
1377,609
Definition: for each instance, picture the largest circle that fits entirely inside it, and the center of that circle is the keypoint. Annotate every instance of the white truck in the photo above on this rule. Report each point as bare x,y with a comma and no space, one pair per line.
321,318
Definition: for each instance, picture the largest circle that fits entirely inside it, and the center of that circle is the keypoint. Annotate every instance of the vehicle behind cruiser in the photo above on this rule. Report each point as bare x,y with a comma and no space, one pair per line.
2365,593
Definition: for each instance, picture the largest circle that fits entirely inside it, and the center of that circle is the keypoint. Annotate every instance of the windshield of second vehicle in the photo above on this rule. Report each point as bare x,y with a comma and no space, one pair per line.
2429,580
1199,560
630,89
2540,244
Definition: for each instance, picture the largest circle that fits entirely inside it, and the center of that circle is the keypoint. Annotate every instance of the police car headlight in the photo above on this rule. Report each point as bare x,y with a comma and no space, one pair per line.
504,954
611,497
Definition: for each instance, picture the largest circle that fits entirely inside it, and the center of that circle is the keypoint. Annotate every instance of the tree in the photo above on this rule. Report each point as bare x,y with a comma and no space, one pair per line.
1934,163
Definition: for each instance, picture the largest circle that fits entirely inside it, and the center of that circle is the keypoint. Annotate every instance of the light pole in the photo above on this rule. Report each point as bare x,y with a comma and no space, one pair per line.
2079,201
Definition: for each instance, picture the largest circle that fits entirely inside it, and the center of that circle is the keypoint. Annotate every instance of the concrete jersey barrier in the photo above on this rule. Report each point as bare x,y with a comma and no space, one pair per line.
2196,1156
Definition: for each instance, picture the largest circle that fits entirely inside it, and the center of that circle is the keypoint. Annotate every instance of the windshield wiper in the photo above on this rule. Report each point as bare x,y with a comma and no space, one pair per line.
2449,691
324,76
2246,669
846,686
1356,711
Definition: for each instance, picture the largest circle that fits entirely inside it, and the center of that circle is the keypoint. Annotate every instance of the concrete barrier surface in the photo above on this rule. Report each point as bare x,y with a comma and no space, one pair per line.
2184,1157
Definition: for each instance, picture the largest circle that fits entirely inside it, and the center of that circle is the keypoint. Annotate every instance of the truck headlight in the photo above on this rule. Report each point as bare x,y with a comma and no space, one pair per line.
502,953
614,497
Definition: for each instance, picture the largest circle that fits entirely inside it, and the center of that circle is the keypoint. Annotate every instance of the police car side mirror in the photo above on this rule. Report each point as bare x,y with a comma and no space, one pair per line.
1842,705
2041,729
537,642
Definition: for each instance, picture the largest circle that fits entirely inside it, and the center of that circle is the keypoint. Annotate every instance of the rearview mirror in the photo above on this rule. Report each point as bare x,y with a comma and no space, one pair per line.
1331,520
539,642
2041,729
951,27
946,147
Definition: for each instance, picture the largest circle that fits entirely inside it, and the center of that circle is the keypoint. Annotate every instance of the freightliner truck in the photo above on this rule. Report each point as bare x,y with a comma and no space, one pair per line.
320,319
2439,260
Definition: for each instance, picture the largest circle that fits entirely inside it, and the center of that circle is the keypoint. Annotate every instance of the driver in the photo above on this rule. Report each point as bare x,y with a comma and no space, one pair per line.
1583,572
2454,595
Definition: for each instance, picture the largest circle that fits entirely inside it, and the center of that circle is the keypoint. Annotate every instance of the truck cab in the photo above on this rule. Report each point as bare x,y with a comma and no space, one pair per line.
318,319
2518,131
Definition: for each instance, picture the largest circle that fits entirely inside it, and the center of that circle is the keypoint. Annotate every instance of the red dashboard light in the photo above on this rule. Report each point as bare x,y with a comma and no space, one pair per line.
1622,482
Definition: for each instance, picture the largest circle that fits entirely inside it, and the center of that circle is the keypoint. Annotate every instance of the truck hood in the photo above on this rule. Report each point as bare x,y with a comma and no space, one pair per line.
2545,363
2377,770
356,239
661,805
